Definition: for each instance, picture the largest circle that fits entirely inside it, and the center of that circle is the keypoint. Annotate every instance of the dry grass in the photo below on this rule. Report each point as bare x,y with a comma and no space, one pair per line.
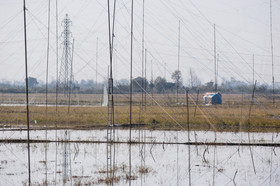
108,180
161,113
143,170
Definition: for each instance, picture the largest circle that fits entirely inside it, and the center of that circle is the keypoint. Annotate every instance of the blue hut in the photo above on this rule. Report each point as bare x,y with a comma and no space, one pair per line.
211,98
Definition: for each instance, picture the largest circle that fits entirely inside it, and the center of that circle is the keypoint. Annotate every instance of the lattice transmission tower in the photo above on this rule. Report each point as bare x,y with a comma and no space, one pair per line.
66,67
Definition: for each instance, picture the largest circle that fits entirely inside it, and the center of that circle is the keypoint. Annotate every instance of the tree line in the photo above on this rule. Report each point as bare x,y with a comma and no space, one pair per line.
159,85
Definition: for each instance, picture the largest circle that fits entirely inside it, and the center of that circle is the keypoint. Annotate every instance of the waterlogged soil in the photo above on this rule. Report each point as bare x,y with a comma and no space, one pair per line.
151,164
63,163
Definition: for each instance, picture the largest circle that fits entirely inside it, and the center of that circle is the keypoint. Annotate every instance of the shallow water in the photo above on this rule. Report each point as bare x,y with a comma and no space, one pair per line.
66,163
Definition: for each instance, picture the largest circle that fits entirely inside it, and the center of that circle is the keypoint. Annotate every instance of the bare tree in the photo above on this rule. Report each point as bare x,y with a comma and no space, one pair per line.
193,79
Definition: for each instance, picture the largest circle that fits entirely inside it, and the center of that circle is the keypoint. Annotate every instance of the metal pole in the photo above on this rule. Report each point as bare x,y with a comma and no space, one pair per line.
215,60
189,148
26,89
130,95
272,62
145,78
48,54
56,90
143,19
253,70
177,81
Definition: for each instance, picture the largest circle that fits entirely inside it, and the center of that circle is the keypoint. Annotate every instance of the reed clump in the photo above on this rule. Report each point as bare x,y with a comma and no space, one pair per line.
144,170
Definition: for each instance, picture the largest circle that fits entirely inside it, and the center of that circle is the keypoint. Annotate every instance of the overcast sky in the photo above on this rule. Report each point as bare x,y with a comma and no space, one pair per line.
242,29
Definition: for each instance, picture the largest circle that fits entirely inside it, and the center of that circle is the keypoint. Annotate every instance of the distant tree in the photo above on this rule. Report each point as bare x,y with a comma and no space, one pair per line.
170,86
122,82
261,89
32,82
83,83
234,83
121,89
177,78
209,85
137,84
52,84
151,85
90,83
193,80
160,84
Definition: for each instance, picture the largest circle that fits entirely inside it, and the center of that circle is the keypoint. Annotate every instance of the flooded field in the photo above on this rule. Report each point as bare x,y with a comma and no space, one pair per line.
81,163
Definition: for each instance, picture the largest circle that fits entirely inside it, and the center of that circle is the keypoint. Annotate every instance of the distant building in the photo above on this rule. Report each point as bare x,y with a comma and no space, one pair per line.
211,98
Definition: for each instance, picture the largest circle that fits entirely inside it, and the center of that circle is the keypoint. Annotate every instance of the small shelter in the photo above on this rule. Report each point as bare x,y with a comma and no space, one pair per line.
211,98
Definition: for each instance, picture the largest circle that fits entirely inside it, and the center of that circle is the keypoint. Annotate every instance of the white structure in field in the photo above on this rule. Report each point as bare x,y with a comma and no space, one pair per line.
105,97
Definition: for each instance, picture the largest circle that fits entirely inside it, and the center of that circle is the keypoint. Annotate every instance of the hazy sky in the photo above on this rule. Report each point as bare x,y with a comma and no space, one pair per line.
242,29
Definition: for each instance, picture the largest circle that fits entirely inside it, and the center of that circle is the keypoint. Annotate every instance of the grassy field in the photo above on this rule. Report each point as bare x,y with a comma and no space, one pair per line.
161,112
